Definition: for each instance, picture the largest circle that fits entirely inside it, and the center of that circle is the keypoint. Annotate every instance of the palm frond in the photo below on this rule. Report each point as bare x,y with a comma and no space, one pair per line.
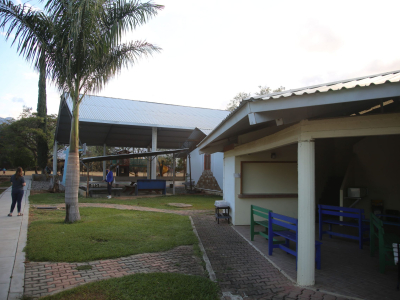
122,15
31,29
118,58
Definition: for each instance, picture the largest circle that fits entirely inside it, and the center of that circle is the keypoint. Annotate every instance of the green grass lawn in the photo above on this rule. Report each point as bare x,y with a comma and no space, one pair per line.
5,184
144,286
198,201
103,233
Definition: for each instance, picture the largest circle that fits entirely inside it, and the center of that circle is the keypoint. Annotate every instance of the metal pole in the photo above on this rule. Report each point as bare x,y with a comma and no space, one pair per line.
148,171
104,162
190,173
87,181
55,160
173,174
153,149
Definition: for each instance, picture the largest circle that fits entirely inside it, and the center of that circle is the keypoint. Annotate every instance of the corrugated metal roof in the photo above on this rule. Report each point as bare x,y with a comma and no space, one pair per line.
376,79
393,76
141,113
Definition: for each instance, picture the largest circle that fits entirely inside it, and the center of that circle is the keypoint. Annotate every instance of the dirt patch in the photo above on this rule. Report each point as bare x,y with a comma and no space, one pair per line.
34,192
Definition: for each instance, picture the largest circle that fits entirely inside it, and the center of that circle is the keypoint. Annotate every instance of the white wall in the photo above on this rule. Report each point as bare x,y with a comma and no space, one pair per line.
197,164
241,206
229,182
217,167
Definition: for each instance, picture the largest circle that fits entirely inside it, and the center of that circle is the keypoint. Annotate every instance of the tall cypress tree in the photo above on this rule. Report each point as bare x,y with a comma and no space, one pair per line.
42,113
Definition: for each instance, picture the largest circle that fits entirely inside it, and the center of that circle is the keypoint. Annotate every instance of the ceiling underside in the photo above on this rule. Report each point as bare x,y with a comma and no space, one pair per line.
117,135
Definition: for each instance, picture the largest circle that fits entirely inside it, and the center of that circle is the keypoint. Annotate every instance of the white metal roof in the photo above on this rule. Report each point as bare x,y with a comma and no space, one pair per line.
140,113
393,76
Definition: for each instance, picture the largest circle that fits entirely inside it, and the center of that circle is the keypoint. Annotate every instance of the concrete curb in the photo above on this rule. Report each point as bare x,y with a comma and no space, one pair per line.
18,273
205,257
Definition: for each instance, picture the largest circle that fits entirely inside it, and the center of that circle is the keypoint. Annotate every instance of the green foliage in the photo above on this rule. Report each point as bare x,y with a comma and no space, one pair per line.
19,138
264,90
144,286
104,233
22,157
236,101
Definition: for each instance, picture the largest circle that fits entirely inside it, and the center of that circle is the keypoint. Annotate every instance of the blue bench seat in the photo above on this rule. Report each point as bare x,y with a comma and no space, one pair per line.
290,234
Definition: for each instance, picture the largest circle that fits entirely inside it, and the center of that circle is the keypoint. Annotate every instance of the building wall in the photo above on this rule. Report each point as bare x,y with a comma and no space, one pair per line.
217,167
241,206
229,182
197,166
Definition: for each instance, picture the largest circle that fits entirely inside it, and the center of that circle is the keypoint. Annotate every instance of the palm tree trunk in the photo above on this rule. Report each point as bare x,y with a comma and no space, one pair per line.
72,176
42,112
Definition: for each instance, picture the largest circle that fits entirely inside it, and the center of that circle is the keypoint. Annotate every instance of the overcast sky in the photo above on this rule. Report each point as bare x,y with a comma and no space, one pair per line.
214,49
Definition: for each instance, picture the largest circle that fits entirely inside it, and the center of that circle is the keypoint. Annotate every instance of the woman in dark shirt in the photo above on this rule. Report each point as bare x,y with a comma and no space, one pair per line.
18,183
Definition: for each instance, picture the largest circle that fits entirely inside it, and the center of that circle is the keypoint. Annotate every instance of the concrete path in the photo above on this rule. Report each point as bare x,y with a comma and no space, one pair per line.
13,234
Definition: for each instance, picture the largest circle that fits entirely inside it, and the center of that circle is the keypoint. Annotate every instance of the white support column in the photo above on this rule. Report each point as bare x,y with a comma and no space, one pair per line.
306,213
104,162
153,149
55,158
148,164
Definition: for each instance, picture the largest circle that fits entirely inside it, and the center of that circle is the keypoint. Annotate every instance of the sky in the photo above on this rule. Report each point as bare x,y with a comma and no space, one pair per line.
214,49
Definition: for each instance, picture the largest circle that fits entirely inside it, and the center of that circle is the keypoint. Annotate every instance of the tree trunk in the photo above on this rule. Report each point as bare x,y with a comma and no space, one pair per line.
72,176
43,148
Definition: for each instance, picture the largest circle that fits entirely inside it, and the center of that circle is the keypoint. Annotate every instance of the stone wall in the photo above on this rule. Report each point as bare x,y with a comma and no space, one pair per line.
207,181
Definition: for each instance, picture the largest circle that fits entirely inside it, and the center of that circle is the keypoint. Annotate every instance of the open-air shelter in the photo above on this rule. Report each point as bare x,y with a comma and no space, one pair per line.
113,122
284,151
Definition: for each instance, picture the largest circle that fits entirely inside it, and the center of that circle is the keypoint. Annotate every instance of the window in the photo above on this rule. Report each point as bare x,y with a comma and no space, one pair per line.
207,161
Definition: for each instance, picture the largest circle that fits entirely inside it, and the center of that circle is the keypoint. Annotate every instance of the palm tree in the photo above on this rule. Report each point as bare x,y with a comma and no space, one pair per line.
83,50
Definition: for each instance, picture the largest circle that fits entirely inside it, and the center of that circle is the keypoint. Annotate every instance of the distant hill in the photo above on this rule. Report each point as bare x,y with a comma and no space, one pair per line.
3,120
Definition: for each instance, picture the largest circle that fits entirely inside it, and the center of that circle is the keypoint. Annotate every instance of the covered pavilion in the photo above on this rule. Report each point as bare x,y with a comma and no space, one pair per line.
116,122
291,150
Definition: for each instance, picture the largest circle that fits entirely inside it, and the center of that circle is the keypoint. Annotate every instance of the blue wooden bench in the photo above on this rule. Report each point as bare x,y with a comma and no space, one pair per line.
151,185
357,218
263,213
290,234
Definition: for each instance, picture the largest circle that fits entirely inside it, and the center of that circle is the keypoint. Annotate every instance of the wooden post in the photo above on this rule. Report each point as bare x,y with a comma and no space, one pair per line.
173,174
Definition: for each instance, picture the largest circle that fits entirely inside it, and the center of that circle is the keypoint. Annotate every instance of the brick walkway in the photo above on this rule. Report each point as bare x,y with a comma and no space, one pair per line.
44,278
241,270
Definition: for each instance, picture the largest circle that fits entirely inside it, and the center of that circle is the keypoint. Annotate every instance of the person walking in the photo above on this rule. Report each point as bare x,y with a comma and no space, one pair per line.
109,180
17,192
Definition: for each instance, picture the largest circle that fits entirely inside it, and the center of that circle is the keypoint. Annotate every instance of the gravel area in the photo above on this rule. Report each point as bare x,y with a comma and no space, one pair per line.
40,185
